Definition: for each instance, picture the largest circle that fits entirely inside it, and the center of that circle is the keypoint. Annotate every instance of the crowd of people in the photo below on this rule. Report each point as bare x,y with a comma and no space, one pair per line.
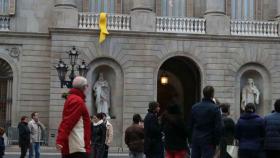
30,136
205,134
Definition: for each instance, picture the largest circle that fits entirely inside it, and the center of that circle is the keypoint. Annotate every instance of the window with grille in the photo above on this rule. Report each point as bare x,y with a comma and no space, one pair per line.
6,80
175,8
7,7
244,9
97,6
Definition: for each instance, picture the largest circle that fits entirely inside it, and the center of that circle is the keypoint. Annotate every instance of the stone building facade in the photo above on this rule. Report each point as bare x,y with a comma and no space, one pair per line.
208,49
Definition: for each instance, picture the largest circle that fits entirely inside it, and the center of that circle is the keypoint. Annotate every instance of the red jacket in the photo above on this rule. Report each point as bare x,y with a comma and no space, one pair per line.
75,124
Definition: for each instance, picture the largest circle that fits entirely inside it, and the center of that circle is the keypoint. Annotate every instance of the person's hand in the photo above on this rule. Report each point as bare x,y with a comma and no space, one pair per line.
59,147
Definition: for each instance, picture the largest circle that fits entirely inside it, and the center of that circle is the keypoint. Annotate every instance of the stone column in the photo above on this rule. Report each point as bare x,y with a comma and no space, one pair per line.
65,14
143,17
277,17
217,22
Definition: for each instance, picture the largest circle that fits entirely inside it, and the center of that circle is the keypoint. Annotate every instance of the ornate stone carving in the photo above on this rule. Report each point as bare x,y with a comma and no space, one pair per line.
102,95
250,94
14,52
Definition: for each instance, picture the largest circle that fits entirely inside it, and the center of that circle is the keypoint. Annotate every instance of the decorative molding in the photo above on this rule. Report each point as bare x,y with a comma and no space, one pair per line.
74,31
14,52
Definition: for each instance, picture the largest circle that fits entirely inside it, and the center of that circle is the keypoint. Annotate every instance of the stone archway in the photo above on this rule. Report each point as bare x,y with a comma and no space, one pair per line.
113,73
6,89
184,83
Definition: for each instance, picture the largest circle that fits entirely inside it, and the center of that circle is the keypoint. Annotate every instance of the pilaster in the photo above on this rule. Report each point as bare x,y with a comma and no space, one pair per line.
143,17
65,14
217,22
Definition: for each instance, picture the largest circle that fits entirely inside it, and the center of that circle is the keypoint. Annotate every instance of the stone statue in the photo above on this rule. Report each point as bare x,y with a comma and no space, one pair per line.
102,94
250,94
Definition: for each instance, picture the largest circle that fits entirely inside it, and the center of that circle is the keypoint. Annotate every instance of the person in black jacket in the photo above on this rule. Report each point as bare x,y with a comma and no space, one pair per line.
206,126
175,131
272,132
228,131
98,129
153,145
2,144
250,132
24,136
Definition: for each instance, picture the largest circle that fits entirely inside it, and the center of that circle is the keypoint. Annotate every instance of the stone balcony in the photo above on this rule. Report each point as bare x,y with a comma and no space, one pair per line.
184,25
5,21
254,28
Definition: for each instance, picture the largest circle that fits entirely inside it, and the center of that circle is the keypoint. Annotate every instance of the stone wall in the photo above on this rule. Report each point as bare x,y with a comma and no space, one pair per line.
31,69
33,15
220,59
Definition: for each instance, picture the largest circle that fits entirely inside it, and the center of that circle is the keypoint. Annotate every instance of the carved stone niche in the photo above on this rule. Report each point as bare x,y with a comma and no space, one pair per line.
262,81
258,85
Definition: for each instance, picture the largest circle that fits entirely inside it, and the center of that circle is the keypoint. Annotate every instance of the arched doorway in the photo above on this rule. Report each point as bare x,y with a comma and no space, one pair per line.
6,80
184,84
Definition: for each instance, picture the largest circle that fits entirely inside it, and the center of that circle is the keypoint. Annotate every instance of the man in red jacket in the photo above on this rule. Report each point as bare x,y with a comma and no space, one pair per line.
73,139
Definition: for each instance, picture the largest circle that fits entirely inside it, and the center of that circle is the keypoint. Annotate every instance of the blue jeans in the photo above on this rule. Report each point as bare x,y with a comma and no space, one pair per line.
34,146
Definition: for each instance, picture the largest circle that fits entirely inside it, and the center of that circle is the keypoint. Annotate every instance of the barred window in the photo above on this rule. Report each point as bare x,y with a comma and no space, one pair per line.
7,7
98,6
173,8
4,6
243,9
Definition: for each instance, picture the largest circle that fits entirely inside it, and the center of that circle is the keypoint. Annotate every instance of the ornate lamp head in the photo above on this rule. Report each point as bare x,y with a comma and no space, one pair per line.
62,69
73,55
83,69
164,78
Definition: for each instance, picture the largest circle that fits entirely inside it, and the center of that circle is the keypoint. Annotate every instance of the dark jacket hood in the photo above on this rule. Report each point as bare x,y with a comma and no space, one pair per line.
248,116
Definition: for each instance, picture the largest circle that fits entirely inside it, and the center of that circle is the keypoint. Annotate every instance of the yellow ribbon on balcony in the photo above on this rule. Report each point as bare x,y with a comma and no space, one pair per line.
103,27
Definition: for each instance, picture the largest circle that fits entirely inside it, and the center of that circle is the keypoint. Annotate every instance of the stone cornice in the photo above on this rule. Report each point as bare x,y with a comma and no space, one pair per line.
136,34
24,34
175,36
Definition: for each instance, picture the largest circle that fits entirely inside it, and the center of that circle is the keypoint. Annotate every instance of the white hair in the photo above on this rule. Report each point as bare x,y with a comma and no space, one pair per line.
79,82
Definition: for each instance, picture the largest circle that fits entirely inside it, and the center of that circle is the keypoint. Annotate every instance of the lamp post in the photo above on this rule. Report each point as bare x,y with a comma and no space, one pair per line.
62,68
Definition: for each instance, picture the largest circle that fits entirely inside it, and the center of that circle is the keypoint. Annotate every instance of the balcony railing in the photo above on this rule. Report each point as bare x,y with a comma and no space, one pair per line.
254,28
5,23
180,25
114,21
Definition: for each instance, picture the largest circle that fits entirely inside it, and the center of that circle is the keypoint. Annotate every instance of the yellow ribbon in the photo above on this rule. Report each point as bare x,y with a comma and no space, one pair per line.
103,27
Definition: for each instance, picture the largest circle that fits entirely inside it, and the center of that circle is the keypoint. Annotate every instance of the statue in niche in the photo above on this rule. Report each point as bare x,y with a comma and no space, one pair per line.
250,94
101,92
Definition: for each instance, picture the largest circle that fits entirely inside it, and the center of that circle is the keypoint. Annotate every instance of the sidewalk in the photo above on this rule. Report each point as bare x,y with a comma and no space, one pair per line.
46,150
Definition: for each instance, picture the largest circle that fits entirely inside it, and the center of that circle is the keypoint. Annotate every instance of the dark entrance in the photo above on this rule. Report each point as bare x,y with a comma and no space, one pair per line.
6,80
184,84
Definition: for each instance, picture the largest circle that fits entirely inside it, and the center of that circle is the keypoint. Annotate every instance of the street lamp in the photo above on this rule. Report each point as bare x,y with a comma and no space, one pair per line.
62,68
164,78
